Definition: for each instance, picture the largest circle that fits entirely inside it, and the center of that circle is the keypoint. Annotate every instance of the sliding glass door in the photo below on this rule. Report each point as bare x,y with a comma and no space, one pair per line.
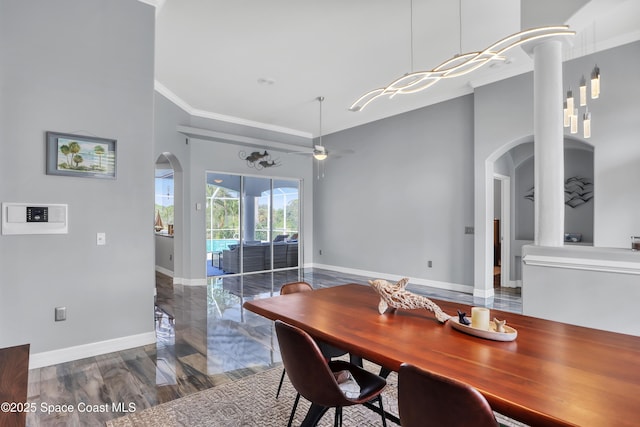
253,224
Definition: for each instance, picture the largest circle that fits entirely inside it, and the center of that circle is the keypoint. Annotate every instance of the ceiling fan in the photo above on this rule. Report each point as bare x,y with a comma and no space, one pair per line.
319,151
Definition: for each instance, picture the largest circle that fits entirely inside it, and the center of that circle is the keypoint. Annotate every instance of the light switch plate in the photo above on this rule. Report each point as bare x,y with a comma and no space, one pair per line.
61,313
101,239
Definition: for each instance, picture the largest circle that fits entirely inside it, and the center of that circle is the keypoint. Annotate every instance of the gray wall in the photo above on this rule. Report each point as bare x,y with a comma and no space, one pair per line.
402,198
77,66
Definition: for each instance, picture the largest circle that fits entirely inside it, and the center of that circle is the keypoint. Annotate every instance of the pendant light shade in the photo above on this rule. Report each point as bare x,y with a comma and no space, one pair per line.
586,124
595,82
570,104
574,121
566,116
583,92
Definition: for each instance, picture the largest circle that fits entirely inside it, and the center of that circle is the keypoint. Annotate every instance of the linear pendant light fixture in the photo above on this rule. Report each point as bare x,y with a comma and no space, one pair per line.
460,65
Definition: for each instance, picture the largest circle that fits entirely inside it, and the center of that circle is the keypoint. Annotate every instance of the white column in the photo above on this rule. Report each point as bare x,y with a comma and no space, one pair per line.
549,144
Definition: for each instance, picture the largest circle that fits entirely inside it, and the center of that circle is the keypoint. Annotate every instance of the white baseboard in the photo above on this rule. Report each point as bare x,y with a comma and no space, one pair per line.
164,271
189,282
53,357
483,293
512,284
413,280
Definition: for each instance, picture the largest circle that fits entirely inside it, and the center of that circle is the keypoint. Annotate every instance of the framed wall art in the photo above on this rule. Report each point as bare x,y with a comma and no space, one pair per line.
81,156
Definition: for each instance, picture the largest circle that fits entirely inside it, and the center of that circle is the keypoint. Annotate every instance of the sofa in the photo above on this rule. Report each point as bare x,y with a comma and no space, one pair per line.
257,257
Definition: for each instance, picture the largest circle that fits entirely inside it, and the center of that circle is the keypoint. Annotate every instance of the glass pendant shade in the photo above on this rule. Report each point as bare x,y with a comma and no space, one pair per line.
595,82
583,92
570,104
574,121
586,125
565,114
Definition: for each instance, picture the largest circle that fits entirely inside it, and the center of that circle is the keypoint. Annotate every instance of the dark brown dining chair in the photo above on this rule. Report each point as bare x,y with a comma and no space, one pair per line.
313,377
425,398
327,350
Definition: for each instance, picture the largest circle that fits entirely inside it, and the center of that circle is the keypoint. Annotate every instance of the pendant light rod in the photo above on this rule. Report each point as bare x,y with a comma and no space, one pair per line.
411,34
320,99
460,27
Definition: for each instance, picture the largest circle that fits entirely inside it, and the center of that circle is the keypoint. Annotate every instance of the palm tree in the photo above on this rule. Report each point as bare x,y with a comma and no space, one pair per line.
99,150
65,150
74,149
78,159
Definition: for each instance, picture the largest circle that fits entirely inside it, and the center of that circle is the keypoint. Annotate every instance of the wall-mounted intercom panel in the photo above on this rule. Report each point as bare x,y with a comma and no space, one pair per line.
34,218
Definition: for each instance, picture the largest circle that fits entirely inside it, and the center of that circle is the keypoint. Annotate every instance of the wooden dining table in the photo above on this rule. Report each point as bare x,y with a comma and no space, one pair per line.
552,374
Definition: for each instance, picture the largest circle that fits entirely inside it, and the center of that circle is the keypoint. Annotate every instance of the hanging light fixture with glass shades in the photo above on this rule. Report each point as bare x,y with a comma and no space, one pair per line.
571,114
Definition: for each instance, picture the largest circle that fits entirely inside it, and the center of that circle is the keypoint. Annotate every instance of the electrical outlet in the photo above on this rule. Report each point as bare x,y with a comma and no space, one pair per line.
468,230
429,264
61,314
320,252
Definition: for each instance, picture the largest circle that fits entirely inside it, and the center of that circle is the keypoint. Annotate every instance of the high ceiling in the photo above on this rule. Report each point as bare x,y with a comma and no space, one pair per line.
264,63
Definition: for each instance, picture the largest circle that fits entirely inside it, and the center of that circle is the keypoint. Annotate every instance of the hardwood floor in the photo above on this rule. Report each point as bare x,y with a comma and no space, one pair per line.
204,338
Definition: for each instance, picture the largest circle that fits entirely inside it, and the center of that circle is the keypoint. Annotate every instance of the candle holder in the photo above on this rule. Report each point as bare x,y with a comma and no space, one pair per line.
635,243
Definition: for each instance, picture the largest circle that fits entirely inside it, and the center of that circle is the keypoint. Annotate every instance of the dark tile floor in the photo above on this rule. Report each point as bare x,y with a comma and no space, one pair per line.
204,338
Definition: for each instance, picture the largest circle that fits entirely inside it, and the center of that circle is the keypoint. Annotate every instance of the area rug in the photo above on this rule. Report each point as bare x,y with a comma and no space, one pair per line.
251,401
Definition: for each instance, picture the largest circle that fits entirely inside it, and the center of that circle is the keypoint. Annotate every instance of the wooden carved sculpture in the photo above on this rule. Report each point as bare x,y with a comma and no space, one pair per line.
396,296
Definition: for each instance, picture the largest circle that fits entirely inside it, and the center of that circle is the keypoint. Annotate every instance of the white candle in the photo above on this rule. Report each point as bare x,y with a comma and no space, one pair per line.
480,318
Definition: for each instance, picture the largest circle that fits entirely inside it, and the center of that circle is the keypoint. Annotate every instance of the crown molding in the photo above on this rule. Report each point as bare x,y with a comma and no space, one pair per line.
212,135
164,91
154,3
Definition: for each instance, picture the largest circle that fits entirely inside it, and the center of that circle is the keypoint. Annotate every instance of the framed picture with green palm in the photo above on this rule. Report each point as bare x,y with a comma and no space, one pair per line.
81,156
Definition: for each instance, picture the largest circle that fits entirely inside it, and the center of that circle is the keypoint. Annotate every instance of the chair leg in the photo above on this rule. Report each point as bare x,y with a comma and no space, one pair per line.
337,421
293,410
280,385
384,372
384,418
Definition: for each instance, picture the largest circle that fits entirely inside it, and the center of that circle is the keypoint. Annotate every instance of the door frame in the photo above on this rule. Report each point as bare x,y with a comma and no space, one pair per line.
505,229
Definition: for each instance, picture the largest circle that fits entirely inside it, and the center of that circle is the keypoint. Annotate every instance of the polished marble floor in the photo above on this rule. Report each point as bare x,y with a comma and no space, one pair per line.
204,338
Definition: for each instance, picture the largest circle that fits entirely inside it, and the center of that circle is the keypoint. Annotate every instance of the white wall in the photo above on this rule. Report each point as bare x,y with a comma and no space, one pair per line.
86,67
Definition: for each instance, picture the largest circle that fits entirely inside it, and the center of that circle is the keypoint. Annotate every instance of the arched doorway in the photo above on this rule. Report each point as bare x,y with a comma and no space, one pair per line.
514,164
169,216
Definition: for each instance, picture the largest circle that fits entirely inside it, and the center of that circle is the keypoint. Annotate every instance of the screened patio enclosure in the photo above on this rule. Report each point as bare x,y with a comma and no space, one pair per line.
253,224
